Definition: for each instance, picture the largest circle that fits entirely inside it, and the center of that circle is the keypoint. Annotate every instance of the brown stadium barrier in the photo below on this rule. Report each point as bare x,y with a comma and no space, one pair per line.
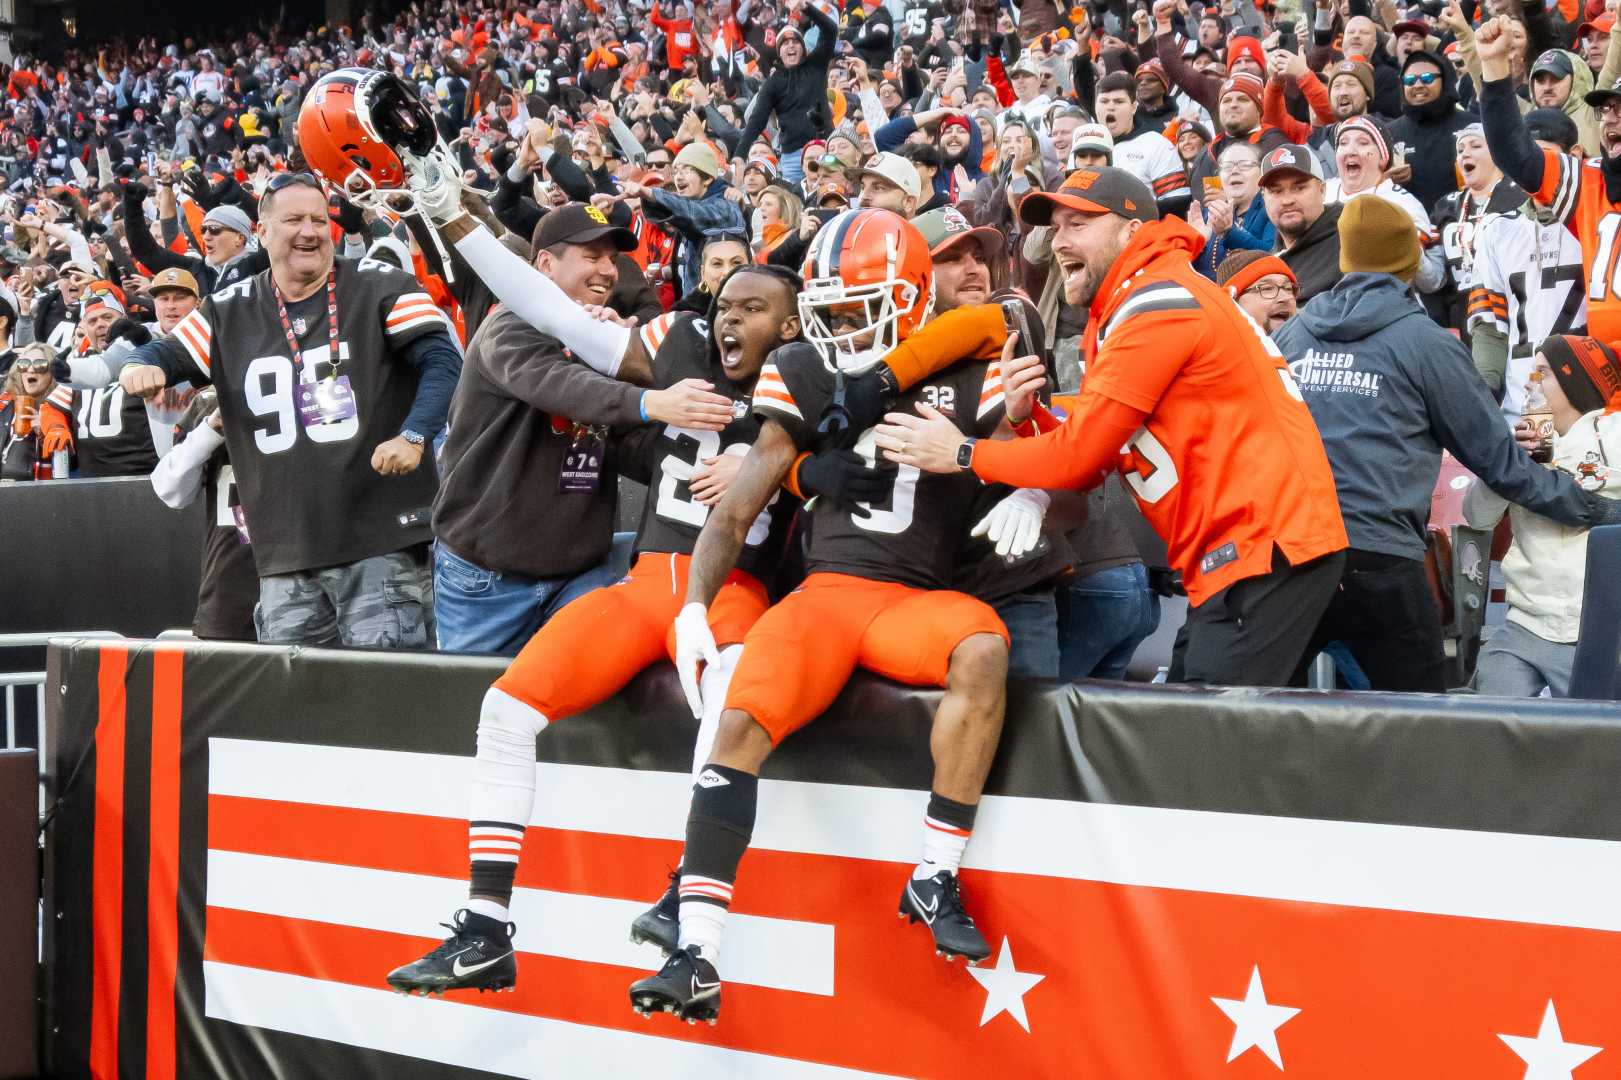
246,839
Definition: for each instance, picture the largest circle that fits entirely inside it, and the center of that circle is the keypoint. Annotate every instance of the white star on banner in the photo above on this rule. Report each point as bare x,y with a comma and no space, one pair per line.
1005,987
1549,1056
1255,1021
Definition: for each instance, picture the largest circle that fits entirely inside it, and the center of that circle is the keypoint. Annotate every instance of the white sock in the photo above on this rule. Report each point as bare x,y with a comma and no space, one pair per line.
702,925
713,684
490,910
943,846
503,789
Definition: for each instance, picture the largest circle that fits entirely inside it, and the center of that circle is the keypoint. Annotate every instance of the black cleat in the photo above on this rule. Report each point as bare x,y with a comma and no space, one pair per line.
938,902
687,986
477,956
661,923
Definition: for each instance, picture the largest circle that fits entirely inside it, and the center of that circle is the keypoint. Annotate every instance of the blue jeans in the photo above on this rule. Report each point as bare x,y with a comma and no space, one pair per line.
1031,619
1102,618
793,166
488,611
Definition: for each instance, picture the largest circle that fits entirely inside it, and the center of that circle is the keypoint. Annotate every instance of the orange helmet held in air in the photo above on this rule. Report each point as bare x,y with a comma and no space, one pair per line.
356,128
869,283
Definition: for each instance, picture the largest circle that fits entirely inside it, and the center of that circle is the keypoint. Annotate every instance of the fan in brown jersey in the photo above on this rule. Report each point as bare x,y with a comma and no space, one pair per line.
114,437
570,664
332,376
198,465
876,597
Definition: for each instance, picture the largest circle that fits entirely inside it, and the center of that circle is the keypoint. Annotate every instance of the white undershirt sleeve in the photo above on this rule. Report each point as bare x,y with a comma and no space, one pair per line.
537,300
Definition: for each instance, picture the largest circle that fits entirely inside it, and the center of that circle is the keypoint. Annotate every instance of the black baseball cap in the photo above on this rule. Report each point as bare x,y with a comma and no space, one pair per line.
1555,62
579,223
1290,158
1599,95
1103,189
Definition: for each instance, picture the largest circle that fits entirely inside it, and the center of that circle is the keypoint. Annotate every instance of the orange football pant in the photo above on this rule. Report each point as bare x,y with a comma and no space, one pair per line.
801,653
597,644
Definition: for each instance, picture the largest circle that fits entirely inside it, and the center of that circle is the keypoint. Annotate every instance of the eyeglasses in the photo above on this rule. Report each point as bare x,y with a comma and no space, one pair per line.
214,230
1610,110
1239,166
1426,78
1271,290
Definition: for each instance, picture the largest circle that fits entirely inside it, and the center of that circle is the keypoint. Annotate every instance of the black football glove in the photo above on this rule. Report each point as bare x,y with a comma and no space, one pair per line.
196,185
130,330
859,402
349,217
843,477
135,192
1601,510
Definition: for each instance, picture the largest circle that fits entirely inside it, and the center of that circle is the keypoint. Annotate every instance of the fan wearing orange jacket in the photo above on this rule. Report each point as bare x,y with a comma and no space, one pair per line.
1194,405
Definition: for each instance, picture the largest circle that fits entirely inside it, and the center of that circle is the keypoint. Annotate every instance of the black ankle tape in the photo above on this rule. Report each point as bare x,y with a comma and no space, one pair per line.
947,812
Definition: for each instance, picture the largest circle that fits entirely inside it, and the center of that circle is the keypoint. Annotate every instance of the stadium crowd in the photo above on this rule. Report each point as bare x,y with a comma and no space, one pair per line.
1417,208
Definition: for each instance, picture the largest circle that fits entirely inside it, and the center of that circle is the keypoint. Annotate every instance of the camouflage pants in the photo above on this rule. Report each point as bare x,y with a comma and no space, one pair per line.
384,602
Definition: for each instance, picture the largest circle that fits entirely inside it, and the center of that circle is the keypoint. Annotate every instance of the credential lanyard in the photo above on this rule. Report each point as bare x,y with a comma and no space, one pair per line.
332,322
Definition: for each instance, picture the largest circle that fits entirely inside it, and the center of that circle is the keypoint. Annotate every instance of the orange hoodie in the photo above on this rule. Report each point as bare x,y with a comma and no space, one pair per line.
1196,408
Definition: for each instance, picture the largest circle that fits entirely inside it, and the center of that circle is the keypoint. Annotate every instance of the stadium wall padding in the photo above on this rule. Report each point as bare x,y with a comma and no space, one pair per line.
245,840
97,555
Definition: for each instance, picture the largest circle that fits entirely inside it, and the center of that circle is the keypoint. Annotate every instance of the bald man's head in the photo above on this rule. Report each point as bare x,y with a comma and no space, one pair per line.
1361,37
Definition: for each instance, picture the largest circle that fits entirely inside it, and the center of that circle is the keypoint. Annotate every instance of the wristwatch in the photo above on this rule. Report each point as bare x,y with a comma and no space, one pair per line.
412,437
965,454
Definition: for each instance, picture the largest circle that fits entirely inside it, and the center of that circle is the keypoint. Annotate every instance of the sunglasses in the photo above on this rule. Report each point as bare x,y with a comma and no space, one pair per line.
214,230
1427,78
292,179
36,367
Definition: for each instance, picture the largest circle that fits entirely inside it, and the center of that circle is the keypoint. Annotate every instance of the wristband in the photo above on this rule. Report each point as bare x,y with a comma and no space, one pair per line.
641,405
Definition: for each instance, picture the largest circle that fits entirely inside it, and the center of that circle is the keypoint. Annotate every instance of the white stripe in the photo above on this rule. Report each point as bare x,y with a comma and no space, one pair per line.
986,406
1147,295
1570,182
488,844
485,832
774,405
504,1043
491,856
1557,881
783,954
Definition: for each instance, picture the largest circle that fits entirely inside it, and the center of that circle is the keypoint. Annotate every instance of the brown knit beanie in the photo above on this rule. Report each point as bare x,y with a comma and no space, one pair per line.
1377,237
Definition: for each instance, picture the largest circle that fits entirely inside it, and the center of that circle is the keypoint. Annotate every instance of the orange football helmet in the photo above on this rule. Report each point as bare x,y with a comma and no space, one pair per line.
358,129
869,283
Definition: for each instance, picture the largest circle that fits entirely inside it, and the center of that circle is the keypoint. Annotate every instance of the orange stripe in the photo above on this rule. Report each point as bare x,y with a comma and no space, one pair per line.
412,313
107,865
415,306
406,320
946,828
163,877
199,354
990,392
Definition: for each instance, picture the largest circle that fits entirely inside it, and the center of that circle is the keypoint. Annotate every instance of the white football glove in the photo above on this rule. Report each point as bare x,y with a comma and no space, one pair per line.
694,643
1014,524
437,190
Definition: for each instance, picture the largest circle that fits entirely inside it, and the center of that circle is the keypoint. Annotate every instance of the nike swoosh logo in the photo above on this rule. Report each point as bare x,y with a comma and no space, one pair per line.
928,910
701,990
458,970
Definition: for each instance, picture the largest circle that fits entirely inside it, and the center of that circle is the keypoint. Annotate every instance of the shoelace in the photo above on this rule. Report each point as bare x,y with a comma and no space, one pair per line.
952,900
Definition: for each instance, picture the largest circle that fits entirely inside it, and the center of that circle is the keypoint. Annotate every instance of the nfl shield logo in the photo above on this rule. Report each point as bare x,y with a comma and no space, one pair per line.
299,326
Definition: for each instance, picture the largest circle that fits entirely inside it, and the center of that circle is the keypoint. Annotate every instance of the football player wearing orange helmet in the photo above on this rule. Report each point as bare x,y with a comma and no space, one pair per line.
876,597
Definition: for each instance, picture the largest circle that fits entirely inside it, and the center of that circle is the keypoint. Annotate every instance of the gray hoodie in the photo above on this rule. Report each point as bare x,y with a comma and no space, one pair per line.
1389,390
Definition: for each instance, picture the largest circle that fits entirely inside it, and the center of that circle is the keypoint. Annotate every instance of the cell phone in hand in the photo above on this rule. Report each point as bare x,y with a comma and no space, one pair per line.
1014,318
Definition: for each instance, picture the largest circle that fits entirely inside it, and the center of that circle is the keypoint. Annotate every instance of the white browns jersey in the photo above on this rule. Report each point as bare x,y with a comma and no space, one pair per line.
1527,282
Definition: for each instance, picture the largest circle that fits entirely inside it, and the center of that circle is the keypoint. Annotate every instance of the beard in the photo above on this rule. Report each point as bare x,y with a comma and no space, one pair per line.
1084,288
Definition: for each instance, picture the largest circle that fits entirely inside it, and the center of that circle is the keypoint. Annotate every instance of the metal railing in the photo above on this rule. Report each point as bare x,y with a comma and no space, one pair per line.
12,680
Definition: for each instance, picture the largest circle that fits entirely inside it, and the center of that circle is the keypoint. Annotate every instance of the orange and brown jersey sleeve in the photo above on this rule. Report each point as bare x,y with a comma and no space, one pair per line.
1561,184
